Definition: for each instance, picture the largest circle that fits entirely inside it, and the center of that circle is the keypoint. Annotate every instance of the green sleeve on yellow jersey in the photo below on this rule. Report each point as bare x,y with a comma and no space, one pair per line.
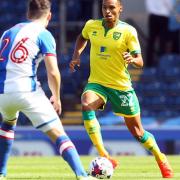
133,42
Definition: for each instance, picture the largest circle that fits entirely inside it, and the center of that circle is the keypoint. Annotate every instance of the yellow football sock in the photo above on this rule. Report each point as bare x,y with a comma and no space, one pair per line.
94,131
149,142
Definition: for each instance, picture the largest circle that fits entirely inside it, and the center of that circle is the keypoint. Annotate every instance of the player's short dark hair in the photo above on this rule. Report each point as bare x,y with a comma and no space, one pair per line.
120,1
37,8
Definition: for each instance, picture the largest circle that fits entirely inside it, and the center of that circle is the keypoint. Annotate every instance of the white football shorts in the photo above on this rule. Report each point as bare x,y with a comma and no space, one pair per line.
35,105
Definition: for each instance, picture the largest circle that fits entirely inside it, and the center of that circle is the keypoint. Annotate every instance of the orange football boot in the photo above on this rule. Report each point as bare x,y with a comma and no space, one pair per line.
114,162
166,169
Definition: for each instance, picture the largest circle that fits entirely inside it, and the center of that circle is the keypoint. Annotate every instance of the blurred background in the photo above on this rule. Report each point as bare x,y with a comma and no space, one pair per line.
157,85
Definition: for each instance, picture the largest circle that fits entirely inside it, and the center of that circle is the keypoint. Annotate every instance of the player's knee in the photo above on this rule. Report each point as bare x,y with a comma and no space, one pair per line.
54,133
86,106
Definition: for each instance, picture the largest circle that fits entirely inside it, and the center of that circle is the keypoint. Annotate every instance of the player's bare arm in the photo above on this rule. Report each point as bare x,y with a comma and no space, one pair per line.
54,81
79,47
136,59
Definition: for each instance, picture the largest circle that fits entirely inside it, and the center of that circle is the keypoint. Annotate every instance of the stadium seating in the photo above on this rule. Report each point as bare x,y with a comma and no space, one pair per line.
160,89
149,75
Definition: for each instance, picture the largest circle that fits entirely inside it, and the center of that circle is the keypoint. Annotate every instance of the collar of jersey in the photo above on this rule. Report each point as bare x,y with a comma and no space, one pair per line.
106,28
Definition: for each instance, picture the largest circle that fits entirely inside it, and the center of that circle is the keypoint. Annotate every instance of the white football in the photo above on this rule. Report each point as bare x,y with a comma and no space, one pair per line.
101,168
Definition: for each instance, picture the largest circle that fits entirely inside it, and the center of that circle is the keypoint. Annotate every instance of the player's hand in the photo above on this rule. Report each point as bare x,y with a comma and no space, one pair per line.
73,64
56,104
128,58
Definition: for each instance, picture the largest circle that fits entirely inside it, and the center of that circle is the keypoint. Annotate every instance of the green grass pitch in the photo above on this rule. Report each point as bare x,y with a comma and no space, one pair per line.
54,168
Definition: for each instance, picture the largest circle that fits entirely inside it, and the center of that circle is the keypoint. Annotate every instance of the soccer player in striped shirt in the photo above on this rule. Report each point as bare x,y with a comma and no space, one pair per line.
114,45
22,47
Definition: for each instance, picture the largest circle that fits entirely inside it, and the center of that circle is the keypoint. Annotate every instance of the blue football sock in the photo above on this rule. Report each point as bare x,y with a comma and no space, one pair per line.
6,141
70,154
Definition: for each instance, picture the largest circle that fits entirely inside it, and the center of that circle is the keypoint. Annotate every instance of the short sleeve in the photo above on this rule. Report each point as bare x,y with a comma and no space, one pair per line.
86,29
47,43
133,42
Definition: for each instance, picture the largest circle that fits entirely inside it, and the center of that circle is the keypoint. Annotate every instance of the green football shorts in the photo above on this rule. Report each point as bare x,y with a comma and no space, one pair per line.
124,103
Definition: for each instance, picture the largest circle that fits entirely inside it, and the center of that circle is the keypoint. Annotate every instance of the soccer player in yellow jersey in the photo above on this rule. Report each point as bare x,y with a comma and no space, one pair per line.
114,45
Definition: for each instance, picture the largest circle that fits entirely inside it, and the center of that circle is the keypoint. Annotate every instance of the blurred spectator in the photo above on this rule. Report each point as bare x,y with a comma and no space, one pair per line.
159,12
174,27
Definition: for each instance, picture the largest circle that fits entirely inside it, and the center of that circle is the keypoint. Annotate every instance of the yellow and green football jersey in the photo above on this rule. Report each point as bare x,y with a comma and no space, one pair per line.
107,65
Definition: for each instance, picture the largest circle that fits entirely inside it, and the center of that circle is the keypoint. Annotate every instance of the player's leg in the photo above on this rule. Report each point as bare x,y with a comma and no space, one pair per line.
8,109
129,108
6,140
67,150
94,97
126,104
148,141
91,102
43,116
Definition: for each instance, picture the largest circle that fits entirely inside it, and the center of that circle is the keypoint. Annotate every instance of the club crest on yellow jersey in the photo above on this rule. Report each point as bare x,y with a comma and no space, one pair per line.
116,35
94,33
